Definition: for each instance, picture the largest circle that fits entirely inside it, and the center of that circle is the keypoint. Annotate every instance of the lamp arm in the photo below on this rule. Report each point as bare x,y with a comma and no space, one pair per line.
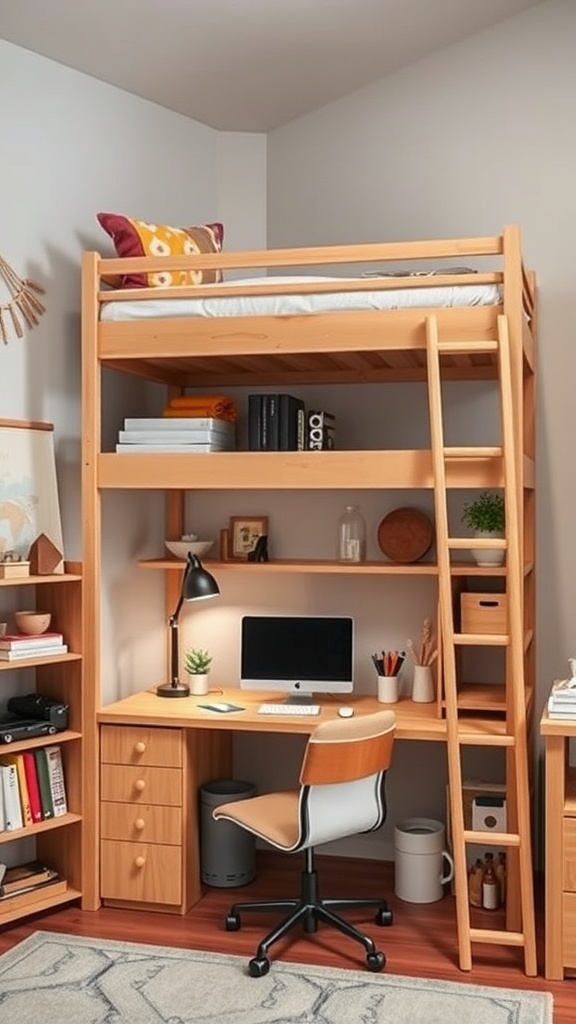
173,626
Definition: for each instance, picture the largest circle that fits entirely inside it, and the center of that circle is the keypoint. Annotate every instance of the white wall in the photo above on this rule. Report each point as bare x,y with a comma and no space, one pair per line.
477,136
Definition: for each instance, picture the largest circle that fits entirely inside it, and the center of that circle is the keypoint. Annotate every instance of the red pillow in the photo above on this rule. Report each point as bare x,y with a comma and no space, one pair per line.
139,238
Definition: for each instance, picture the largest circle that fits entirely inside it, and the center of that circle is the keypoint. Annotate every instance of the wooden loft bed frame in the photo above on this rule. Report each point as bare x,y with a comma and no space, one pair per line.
365,346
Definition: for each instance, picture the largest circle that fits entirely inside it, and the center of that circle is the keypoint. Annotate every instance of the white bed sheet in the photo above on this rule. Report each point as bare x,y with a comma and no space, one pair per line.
299,303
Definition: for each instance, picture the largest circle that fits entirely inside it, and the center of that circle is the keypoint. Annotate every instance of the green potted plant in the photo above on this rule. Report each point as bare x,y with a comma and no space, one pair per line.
486,517
197,663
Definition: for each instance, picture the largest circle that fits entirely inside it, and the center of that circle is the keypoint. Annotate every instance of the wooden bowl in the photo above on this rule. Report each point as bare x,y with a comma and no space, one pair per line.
32,623
405,535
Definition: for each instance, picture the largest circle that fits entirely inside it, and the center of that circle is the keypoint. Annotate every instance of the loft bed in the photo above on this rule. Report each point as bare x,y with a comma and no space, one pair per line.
324,328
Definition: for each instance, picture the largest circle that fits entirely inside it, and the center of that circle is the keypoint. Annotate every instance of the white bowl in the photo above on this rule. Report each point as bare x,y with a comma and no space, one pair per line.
181,548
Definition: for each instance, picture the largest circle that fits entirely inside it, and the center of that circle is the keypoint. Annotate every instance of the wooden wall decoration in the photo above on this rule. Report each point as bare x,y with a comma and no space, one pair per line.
23,308
44,556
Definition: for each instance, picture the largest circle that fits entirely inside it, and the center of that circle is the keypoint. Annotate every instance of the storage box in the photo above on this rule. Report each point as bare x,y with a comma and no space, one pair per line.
484,613
472,792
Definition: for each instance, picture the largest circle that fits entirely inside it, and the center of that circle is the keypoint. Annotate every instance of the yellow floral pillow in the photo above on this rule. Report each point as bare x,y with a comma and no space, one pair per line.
139,238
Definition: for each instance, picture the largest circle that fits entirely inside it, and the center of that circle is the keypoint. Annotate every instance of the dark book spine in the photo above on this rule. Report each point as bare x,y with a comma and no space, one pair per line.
272,417
254,422
321,433
44,783
292,423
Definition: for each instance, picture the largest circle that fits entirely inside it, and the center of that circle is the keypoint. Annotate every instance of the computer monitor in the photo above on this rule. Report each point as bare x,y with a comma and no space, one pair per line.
299,654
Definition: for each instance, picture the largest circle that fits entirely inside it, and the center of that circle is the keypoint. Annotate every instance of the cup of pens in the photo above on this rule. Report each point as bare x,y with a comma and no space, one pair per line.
387,667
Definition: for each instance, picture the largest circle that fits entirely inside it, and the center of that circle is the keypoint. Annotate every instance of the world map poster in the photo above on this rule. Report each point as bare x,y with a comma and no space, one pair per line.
28,488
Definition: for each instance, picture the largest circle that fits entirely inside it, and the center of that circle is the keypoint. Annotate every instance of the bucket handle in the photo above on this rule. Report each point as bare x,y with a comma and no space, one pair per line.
450,875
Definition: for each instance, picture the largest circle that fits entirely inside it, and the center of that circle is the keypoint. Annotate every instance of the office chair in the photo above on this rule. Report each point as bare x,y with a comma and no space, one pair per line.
341,794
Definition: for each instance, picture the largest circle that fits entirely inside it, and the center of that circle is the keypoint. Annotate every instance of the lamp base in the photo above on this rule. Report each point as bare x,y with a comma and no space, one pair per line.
171,690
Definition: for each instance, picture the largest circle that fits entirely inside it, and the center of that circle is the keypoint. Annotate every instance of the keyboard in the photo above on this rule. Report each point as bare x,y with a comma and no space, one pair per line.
289,709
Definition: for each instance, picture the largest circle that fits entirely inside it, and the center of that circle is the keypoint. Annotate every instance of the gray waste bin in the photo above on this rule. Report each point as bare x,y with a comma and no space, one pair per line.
227,852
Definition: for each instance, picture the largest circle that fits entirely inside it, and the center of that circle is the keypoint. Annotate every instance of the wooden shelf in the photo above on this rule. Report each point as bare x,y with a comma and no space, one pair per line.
312,565
41,826
43,903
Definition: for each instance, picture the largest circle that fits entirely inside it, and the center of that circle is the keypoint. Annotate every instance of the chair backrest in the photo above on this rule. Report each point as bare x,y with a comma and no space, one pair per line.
342,777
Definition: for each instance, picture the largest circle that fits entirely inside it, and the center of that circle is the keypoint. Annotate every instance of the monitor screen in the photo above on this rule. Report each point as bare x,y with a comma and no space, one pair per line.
299,654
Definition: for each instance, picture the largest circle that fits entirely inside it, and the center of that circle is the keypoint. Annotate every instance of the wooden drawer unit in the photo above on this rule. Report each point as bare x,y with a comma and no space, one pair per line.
141,872
142,790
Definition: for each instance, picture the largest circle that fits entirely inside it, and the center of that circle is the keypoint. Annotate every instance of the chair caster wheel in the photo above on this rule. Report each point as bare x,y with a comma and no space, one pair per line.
258,967
384,917
375,962
232,923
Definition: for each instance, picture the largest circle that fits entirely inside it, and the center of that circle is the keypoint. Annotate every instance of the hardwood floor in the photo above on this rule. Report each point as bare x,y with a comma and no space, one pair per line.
420,943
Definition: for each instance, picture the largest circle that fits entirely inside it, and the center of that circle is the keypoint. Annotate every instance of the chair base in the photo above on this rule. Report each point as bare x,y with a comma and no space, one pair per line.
309,909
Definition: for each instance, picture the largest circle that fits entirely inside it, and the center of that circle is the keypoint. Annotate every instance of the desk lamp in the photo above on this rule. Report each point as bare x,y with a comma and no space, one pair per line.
197,584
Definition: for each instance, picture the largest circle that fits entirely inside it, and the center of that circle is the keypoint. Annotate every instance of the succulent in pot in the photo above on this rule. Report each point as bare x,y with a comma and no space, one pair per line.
197,664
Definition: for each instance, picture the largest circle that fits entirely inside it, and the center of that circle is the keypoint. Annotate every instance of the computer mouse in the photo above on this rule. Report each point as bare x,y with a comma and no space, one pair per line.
345,712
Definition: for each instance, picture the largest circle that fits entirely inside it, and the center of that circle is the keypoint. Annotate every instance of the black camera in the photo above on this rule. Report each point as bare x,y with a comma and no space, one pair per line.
34,705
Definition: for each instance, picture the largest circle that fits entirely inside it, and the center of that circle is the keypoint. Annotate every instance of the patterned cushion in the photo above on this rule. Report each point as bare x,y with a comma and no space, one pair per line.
138,238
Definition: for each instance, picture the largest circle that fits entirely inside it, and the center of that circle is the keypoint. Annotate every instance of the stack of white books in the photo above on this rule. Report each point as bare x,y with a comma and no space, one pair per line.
176,434
19,646
562,699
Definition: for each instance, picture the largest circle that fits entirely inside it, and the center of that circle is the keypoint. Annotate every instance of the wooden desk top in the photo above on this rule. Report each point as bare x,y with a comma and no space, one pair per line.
414,721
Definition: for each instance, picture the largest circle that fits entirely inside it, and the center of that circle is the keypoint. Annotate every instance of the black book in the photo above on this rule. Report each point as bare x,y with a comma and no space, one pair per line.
270,423
255,423
292,423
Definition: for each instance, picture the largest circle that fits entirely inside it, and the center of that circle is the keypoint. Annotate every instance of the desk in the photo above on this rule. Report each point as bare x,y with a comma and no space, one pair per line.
157,753
560,848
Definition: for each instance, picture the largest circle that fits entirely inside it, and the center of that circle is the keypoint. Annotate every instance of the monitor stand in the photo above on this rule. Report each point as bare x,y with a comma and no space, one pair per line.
300,698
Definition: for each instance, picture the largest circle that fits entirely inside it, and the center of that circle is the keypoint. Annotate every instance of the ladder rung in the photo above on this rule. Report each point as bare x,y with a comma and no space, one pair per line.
464,543
481,639
492,838
498,936
474,739
473,452
467,348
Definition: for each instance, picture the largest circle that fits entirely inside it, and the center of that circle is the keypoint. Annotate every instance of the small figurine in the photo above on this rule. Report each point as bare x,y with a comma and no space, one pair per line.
260,551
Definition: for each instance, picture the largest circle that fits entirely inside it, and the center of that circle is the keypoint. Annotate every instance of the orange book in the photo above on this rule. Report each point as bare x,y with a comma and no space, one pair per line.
18,760
33,788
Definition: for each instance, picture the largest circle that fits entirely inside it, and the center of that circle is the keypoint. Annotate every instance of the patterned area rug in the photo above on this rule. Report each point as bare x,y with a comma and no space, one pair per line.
61,979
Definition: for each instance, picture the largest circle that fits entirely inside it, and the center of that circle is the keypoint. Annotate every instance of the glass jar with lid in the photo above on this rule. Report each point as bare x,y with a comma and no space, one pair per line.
351,541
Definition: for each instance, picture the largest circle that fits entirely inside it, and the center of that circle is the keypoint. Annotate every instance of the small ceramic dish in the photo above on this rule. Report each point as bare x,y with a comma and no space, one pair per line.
181,548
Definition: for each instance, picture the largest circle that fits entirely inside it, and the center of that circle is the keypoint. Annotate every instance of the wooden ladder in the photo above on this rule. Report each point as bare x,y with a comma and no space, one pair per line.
465,732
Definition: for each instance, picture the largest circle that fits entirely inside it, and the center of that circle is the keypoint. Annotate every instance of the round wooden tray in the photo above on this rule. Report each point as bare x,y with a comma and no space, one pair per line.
405,535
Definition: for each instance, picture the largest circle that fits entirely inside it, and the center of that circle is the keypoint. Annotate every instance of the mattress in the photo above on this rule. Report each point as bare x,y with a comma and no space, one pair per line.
299,303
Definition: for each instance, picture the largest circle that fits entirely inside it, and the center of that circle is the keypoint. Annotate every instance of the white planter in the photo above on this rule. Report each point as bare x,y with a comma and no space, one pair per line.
198,683
488,556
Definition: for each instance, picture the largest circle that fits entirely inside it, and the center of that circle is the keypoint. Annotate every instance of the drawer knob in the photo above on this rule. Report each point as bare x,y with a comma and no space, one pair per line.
139,824
140,785
140,862
140,747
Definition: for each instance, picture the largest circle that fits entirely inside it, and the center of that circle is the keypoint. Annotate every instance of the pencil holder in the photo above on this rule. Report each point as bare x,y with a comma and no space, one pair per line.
423,684
388,689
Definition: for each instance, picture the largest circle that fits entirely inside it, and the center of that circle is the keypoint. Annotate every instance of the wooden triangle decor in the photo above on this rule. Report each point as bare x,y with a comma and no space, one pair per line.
44,556
23,308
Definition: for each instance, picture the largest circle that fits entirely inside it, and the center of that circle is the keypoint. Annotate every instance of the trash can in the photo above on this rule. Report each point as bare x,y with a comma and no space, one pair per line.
419,859
227,852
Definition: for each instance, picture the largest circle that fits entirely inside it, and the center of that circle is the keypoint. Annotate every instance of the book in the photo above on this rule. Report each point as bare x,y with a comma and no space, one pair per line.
44,783
13,570
292,423
179,424
321,431
270,423
33,787
21,641
18,760
176,437
55,886
25,876
53,757
254,422
2,818
564,690
12,806
33,652
168,446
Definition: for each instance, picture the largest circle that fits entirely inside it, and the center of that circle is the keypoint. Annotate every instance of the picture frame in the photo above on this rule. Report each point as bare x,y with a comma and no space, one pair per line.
29,503
244,533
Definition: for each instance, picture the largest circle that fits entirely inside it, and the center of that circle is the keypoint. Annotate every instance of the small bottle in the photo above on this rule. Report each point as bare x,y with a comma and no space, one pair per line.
351,545
490,887
475,878
500,870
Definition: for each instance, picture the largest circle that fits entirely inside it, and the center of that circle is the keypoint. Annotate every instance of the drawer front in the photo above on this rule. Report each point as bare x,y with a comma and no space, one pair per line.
141,871
121,784
569,929
569,854
138,744
144,823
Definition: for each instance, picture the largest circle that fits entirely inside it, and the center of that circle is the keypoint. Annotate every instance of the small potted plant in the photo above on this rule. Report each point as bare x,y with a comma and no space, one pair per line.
197,664
485,516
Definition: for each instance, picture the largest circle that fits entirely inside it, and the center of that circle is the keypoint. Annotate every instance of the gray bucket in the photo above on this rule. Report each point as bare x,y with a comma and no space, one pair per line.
227,852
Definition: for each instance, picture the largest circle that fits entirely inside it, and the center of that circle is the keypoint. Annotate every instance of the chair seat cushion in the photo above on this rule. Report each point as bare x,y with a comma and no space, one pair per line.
272,816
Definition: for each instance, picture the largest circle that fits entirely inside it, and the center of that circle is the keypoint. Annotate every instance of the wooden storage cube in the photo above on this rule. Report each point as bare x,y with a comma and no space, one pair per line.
484,613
